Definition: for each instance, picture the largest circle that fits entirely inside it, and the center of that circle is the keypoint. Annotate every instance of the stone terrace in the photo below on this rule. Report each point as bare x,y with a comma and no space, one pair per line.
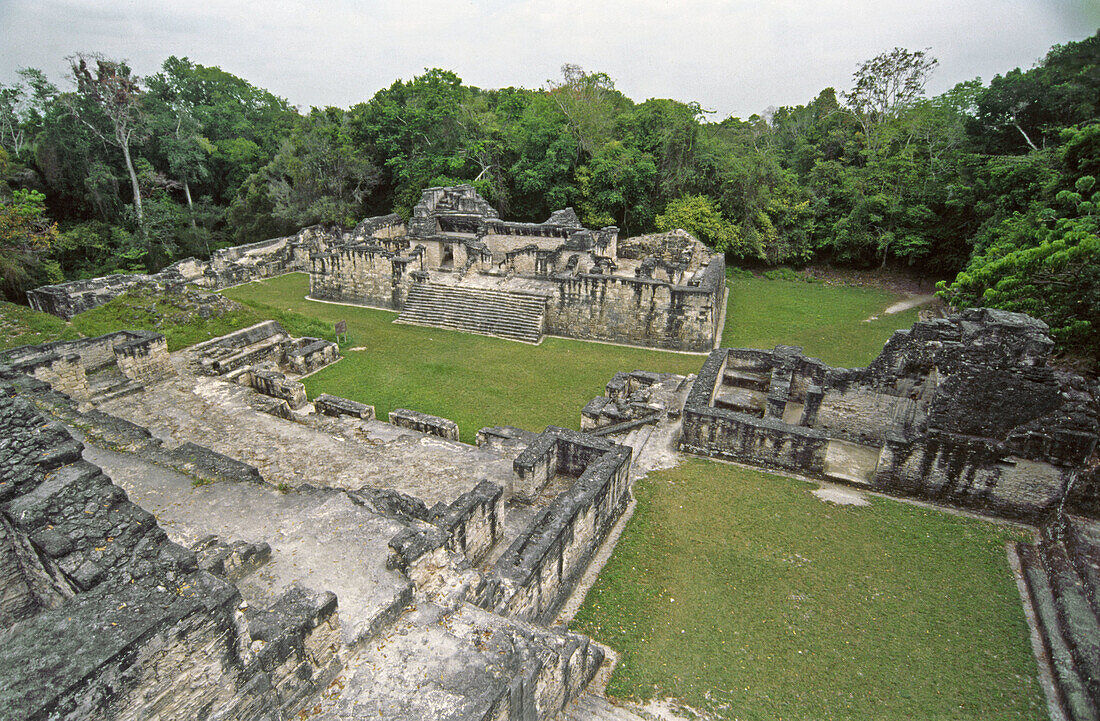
337,452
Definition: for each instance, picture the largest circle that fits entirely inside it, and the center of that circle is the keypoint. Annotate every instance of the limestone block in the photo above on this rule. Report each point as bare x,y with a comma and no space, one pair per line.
424,423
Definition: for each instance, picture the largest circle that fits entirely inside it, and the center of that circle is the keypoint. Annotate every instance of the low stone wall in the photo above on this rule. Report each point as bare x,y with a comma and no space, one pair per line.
276,385
306,355
473,520
540,569
140,356
506,440
424,423
330,405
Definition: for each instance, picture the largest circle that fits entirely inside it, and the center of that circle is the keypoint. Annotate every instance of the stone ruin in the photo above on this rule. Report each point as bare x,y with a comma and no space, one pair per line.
962,410
244,592
460,266
457,265
203,556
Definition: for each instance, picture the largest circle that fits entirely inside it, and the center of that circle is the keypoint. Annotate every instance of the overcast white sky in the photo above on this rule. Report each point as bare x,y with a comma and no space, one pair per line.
735,57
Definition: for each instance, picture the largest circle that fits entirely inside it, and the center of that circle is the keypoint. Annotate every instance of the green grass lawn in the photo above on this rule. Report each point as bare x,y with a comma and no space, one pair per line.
20,325
479,381
743,595
826,320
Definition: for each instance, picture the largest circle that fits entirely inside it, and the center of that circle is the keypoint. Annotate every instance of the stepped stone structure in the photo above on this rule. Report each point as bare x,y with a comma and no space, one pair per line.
457,265
460,266
157,572
190,536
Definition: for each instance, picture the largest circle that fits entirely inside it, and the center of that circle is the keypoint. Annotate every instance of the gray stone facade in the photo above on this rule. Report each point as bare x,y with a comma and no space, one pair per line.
962,411
459,262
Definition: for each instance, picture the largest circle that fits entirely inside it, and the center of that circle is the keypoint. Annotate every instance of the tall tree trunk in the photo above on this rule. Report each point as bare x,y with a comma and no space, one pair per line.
190,205
134,184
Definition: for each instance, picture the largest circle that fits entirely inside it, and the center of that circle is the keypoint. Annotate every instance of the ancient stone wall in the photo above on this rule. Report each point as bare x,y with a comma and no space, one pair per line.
962,411
366,274
140,356
424,423
540,569
276,385
144,358
330,405
676,247
473,520
639,311
228,266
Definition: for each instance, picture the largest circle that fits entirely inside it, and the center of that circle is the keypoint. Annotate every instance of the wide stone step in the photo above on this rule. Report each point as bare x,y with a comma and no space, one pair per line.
121,392
109,384
515,316
1074,697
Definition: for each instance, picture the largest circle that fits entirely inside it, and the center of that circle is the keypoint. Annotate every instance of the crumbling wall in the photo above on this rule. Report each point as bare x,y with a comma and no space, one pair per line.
276,385
540,569
639,311
677,247
962,411
473,520
144,358
330,405
366,274
228,266
140,356
424,423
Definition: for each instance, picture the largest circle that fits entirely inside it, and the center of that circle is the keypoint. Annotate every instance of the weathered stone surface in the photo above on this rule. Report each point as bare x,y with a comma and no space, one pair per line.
336,406
103,615
424,423
961,410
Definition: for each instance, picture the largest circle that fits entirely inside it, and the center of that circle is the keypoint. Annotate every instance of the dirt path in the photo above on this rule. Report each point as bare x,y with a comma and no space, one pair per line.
912,301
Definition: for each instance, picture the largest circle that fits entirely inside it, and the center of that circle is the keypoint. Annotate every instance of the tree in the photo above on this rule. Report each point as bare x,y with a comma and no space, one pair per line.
108,103
415,133
886,84
25,234
319,176
22,107
698,215
589,103
616,187
1047,264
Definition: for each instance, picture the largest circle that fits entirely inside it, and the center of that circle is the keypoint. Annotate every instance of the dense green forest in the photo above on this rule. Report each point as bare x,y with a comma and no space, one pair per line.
991,184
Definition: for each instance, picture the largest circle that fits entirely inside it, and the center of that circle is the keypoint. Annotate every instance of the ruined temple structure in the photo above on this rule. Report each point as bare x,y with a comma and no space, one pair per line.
203,542
189,536
962,410
457,265
460,266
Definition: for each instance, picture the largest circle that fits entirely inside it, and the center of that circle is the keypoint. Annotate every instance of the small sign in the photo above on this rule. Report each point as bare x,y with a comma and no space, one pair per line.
341,330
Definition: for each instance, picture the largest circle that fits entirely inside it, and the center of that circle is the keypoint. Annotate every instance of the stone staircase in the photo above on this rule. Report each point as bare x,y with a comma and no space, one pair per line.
506,314
597,708
109,383
1062,575
636,438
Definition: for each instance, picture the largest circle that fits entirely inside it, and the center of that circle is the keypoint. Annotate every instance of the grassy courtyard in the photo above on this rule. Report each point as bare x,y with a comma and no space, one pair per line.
479,381
735,591
746,597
